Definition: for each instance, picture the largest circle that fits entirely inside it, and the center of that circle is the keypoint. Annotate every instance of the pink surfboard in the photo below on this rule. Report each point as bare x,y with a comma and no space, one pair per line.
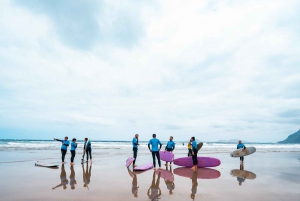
165,174
166,156
202,162
144,167
129,161
202,173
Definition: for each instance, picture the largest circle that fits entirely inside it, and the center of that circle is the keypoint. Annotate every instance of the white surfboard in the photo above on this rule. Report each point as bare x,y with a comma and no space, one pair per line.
243,152
43,164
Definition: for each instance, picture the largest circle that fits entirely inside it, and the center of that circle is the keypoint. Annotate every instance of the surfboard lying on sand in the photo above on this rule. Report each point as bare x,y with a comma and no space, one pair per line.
243,152
243,174
166,156
199,145
165,174
202,162
144,167
202,173
41,164
129,161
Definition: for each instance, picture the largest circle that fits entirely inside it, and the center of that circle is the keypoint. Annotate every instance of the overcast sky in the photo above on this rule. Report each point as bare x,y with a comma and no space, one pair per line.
110,69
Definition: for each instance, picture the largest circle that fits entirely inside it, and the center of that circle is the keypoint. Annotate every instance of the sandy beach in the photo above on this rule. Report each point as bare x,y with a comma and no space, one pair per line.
276,177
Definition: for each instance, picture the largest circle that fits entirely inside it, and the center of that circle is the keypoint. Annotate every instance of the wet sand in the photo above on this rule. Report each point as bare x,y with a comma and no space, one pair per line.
277,177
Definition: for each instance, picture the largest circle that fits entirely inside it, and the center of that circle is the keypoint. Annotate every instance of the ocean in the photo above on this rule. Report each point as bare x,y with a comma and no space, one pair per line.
208,147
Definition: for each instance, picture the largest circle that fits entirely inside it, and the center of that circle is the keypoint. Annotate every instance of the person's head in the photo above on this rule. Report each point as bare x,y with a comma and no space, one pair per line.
193,138
136,136
192,196
171,137
64,187
72,187
74,139
170,192
240,141
240,183
84,185
66,138
86,139
154,135
135,195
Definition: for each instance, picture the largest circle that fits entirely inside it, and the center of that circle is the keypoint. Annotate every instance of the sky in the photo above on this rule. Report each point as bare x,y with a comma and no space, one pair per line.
216,70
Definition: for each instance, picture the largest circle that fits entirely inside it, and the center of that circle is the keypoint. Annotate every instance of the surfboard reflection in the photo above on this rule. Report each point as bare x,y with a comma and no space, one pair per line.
242,175
154,191
201,173
63,178
86,175
135,187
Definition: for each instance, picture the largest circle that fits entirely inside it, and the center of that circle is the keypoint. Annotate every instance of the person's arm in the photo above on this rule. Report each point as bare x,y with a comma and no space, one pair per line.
66,144
244,147
57,186
135,142
57,139
173,146
160,145
149,147
166,146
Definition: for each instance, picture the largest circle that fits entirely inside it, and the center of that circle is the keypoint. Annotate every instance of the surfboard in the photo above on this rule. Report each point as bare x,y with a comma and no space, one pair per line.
129,161
202,162
143,167
243,152
40,164
199,145
165,174
243,174
202,173
166,156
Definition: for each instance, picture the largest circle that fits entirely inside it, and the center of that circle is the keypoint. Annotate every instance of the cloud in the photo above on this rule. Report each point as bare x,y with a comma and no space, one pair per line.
225,70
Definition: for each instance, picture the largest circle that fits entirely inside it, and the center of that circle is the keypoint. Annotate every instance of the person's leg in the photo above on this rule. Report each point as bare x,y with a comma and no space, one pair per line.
158,158
196,158
157,181
90,152
134,155
72,156
87,155
153,157
63,154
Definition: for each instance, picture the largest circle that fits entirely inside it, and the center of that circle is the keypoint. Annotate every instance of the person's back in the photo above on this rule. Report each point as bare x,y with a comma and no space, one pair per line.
154,142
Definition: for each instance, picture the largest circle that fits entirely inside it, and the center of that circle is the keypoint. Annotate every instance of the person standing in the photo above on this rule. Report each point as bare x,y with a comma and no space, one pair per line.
240,145
64,147
190,148
154,142
194,154
88,149
73,150
170,147
135,144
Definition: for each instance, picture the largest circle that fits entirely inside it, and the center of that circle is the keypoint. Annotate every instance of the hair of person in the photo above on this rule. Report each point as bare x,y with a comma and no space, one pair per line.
193,138
154,135
74,139
67,137
86,139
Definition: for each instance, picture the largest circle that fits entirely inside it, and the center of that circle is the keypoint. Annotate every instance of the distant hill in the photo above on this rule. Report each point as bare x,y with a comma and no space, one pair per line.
294,138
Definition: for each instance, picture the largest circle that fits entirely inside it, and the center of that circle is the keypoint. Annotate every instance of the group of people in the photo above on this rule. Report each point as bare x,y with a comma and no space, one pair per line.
87,149
154,146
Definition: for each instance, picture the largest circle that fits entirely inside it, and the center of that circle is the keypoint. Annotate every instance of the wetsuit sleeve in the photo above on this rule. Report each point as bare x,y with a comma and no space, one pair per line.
160,144
149,146
58,140
66,143
167,146
173,146
244,147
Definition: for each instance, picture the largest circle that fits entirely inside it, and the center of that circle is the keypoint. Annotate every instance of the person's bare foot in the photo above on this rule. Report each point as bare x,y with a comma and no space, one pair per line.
91,161
160,168
154,168
166,164
62,162
170,164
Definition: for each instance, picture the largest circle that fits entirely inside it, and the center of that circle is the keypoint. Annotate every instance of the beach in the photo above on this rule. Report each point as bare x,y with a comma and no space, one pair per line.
277,175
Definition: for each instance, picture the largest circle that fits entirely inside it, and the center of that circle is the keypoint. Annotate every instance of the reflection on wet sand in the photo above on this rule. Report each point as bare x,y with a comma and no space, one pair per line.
72,178
154,191
242,175
135,187
202,173
63,178
168,176
194,185
86,175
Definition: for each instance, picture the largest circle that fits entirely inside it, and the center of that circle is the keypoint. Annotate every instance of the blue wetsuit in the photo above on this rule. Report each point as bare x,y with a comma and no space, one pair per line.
195,150
241,146
154,142
88,148
64,148
73,151
135,143
170,146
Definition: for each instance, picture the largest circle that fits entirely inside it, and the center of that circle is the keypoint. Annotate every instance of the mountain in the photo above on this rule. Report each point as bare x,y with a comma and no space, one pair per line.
294,138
